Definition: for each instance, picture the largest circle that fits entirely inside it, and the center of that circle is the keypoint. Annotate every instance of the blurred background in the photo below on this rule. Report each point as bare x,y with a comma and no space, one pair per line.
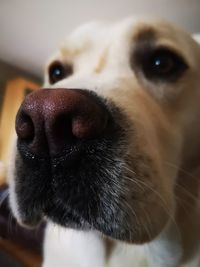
30,31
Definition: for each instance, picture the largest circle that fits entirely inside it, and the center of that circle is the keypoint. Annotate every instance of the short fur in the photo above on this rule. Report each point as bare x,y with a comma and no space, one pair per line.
142,206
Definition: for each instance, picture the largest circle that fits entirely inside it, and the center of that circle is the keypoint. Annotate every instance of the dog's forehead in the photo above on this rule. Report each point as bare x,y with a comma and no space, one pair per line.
97,38
98,34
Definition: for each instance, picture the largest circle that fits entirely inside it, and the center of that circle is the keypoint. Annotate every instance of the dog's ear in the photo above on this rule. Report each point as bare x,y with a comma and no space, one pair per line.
196,37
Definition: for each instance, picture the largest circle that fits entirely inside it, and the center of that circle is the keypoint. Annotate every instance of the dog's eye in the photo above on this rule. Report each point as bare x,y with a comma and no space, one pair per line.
58,71
163,64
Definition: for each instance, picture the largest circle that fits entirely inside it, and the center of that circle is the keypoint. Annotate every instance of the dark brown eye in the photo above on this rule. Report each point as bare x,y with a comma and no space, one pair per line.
158,64
58,71
163,64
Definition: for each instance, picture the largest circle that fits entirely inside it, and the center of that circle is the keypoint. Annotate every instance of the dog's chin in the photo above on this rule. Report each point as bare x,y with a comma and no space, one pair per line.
83,189
77,199
80,189
89,206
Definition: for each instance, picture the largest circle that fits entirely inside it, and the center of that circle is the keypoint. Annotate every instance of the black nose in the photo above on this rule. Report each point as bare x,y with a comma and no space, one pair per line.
49,120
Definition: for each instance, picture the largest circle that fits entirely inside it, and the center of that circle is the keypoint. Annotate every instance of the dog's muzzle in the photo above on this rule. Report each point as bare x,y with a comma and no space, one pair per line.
69,160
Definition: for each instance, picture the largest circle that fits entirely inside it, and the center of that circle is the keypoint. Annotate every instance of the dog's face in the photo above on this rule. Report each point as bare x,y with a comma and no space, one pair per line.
97,151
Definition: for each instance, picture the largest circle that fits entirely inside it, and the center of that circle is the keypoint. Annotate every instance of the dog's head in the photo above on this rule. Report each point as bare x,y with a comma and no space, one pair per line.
97,146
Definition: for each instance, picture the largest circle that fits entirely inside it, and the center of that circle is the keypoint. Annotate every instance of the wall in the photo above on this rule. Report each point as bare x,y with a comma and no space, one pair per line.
9,72
30,31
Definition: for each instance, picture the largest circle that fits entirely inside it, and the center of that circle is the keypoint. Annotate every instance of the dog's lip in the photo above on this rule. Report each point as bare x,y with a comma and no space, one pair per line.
70,153
53,166
30,221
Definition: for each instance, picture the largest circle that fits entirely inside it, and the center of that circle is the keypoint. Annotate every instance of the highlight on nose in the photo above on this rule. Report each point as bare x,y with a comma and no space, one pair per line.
50,120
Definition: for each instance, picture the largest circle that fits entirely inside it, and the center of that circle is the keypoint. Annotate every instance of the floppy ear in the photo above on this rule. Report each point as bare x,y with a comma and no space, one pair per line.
196,37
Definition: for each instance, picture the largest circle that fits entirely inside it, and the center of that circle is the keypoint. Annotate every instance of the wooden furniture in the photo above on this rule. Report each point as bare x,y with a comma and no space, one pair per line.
22,255
14,94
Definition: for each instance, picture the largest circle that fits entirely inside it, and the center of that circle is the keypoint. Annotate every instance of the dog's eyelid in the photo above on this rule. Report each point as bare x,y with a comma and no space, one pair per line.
173,51
158,63
58,70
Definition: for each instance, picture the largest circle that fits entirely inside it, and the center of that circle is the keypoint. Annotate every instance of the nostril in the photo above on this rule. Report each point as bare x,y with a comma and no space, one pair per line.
88,127
62,128
82,128
24,127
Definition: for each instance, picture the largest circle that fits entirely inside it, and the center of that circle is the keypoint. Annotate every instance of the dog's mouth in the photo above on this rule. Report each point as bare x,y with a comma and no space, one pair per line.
86,184
80,188
75,190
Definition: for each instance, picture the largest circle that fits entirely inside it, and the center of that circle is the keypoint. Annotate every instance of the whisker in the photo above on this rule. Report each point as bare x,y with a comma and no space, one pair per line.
148,230
3,197
135,216
147,186
141,185
188,193
163,203
9,226
181,169
183,203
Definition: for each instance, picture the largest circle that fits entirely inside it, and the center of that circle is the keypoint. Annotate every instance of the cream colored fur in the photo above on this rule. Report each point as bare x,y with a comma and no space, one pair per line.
163,115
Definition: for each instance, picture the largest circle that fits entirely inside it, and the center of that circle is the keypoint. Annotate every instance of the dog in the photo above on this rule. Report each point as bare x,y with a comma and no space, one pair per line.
108,151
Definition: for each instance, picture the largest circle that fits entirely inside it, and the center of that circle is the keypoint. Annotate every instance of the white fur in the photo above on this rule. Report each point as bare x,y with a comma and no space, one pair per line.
11,179
67,247
71,248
